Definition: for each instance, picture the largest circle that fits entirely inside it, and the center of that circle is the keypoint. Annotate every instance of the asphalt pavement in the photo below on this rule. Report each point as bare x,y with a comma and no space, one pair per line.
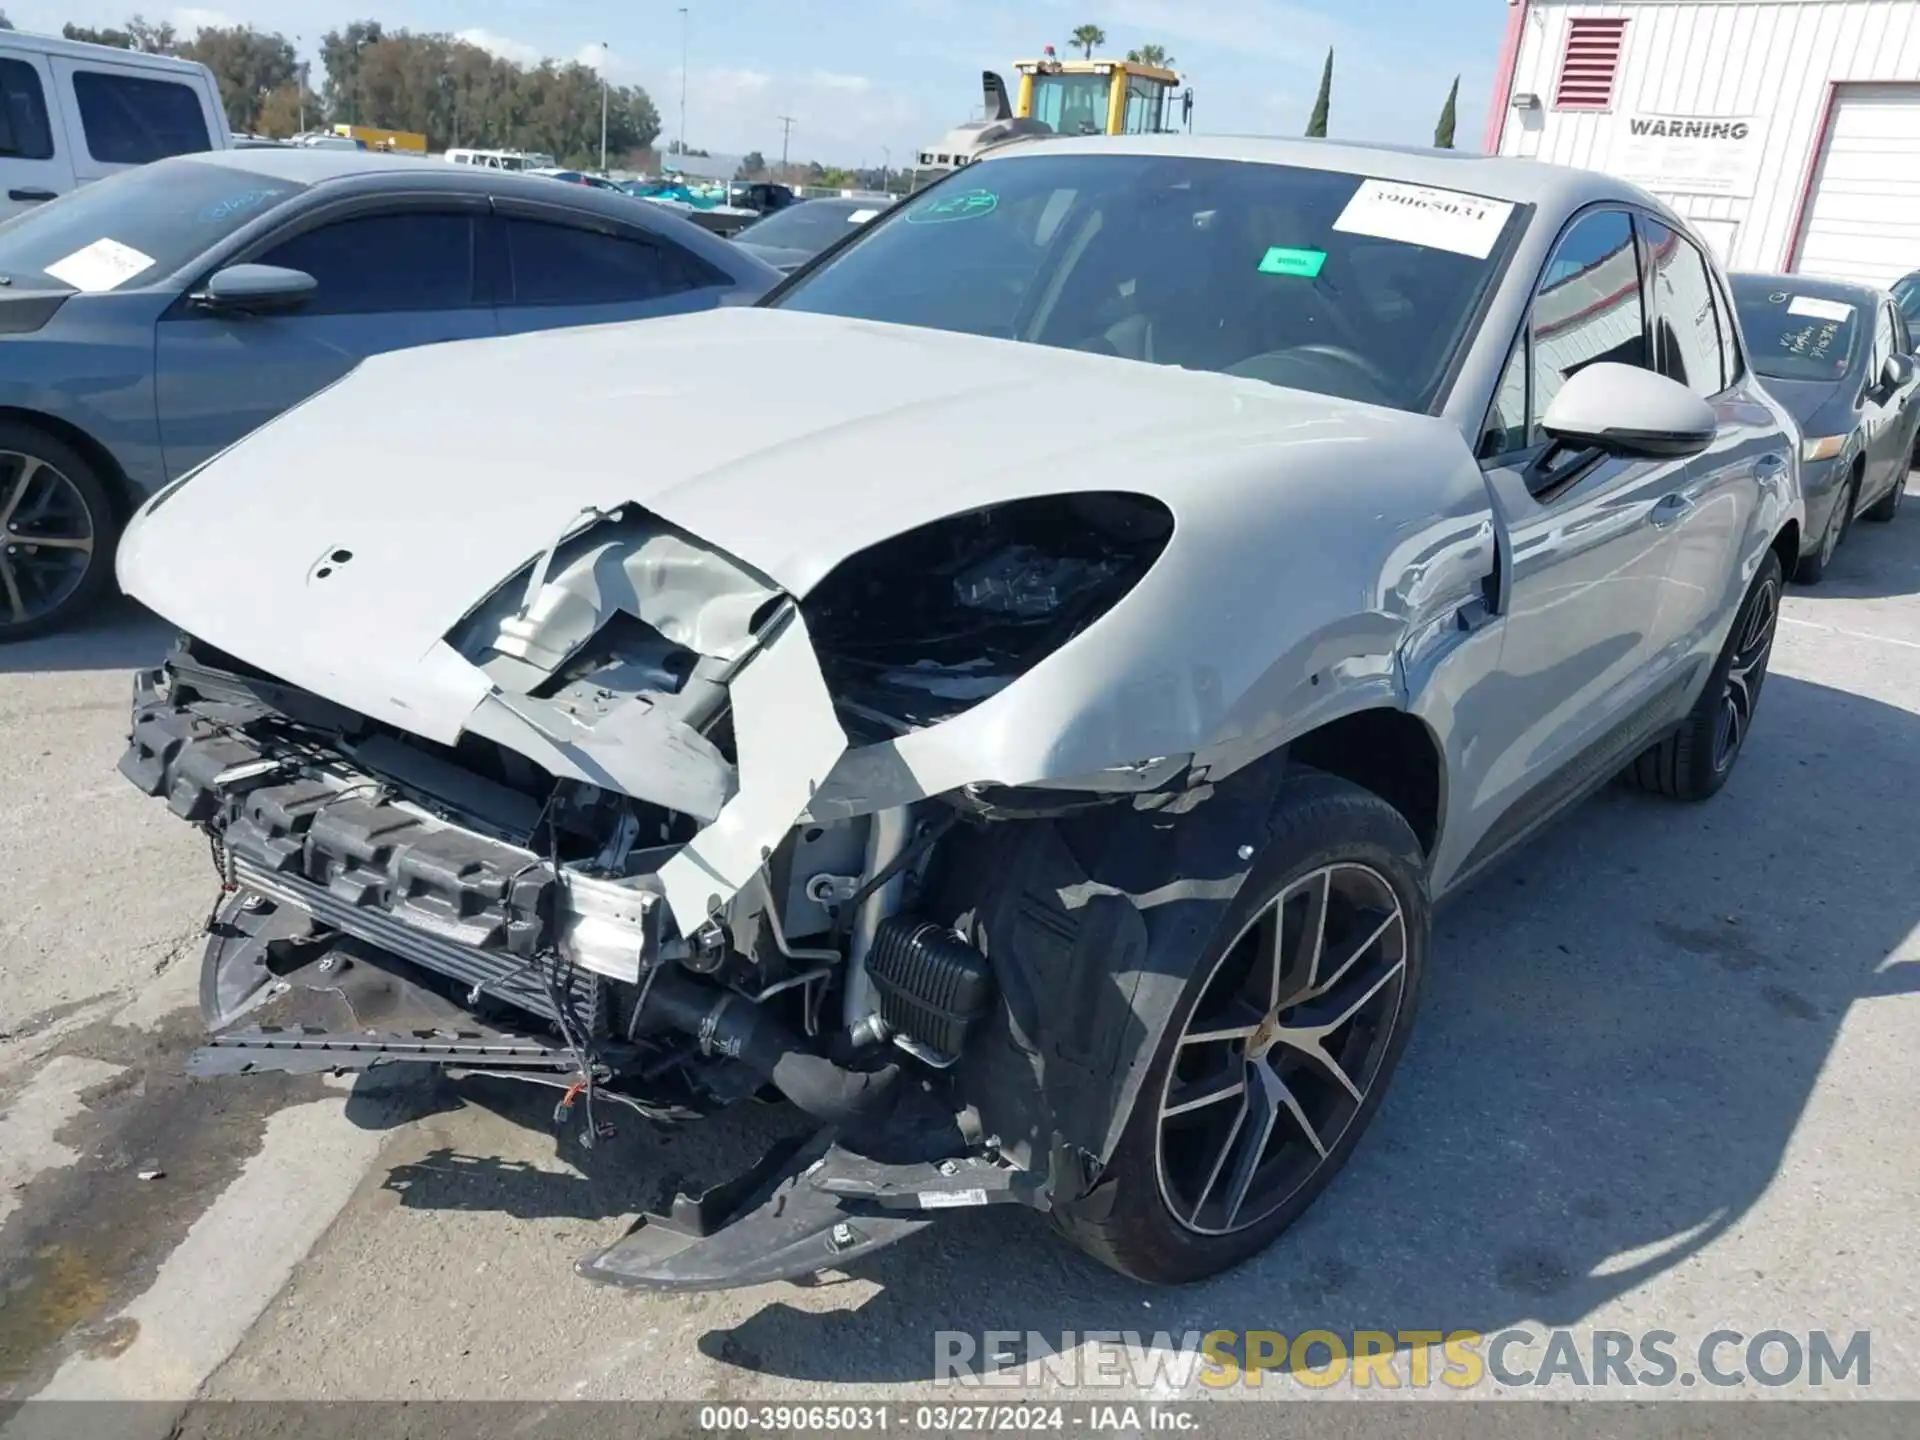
1663,1080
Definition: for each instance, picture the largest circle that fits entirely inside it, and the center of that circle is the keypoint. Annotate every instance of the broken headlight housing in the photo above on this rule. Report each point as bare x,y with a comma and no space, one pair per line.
932,621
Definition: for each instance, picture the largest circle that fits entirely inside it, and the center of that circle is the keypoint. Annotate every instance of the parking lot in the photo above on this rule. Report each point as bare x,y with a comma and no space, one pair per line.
1663,1079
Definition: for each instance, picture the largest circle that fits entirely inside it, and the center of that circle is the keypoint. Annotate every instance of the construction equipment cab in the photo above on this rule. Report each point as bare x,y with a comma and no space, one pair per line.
1100,97
72,113
1062,97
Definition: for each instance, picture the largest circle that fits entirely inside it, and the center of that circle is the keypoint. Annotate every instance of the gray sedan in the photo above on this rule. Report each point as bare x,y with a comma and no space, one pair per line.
149,321
1839,357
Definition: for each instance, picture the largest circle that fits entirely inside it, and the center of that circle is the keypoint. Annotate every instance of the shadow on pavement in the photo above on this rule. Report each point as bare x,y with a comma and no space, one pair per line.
641,1168
120,635
1622,1029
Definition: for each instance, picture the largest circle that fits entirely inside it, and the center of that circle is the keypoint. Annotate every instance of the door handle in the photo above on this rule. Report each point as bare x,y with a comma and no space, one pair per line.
32,195
1671,507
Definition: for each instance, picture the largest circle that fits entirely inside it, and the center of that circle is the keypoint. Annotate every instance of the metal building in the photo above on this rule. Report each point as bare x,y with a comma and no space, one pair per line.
1787,131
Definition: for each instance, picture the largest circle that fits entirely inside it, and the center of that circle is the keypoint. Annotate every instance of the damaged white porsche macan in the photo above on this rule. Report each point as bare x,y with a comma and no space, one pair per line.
1016,693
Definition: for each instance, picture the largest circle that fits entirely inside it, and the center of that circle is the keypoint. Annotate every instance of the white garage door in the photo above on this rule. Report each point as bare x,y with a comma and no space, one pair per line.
1863,219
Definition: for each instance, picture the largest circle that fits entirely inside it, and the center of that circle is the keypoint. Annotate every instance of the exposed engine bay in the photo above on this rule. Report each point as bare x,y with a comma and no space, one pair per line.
621,878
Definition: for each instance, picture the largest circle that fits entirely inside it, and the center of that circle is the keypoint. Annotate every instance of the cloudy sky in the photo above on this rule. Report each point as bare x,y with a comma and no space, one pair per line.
858,75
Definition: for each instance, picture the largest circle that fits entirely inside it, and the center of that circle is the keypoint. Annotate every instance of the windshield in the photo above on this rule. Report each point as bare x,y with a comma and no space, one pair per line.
811,225
1791,336
1072,104
1275,273
134,227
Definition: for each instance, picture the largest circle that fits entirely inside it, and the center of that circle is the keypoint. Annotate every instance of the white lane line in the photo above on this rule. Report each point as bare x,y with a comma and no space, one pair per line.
38,1113
234,1260
1851,634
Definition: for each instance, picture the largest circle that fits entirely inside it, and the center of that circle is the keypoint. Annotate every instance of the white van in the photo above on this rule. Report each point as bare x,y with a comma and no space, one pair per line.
501,159
71,113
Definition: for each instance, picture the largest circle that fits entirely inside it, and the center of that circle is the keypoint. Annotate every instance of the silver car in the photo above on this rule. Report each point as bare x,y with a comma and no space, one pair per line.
1021,704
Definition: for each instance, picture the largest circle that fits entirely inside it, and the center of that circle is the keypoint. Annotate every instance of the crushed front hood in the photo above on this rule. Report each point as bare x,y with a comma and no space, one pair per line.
337,546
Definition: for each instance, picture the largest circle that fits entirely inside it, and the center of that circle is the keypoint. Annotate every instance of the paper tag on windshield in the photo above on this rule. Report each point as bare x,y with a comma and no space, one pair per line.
860,217
1819,309
103,265
1416,215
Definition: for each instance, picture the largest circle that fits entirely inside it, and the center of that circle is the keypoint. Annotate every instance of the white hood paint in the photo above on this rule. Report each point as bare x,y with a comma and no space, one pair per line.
792,442
786,440
789,441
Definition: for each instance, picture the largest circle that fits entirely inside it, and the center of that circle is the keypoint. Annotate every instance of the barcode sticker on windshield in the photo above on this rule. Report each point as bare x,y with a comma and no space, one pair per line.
860,217
1417,215
1819,309
102,265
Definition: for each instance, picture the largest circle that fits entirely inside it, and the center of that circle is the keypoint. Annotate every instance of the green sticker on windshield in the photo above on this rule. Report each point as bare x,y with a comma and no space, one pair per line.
967,205
1281,261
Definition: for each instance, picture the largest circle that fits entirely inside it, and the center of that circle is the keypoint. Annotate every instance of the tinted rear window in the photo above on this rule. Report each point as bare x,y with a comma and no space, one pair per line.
166,214
1795,336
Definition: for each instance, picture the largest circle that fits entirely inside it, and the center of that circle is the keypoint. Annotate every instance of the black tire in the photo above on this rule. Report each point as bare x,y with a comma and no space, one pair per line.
1695,761
1888,505
62,496
1321,824
1812,567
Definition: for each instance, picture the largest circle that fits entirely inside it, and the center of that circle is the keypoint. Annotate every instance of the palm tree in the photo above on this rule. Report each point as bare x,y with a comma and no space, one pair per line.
1088,36
1317,125
1443,132
1151,55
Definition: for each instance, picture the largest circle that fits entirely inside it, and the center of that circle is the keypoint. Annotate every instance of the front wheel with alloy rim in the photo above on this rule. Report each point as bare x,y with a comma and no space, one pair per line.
57,530
1281,1047
1695,761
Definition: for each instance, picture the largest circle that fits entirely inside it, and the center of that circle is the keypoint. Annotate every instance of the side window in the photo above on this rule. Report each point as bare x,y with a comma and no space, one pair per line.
1733,364
133,120
563,265
1902,333
1907,296
1507,420
384,263
25,133
1686,332
1588,308
1883,346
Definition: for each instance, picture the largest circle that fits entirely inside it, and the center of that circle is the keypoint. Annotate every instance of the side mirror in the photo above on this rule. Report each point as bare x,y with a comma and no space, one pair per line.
1625,410
255,290
1896,372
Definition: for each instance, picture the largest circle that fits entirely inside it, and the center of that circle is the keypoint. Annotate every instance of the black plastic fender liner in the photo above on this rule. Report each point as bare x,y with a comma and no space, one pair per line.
731,1025
1094,925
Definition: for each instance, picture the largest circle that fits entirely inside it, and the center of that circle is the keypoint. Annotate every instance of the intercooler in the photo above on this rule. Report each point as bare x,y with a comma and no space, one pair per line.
478,972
